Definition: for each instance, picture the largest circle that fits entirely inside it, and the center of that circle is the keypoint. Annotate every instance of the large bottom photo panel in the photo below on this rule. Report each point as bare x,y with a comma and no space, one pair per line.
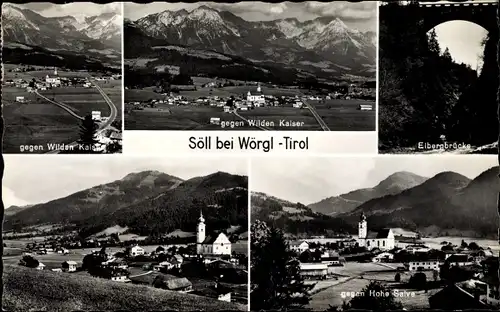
107,233
376,233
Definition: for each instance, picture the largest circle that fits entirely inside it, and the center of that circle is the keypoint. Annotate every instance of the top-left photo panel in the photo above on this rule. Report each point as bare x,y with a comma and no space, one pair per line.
62,90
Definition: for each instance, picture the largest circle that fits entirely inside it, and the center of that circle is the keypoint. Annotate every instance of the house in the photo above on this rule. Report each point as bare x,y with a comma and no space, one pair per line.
227,109
176,261
454,297
365,107
297,104
40,266
69,266
166,264
96,115
217,291
20,99
57,270
314,270
136,251
215,120
179,284
422,265
459,259
383,239
211,245
298,246
332,259
383,257
54,81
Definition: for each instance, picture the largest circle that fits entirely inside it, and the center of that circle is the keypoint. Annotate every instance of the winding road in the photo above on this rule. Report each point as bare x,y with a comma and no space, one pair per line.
317,116
102,126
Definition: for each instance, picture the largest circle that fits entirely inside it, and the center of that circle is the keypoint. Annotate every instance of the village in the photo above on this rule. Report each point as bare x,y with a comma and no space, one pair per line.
450,277
207,267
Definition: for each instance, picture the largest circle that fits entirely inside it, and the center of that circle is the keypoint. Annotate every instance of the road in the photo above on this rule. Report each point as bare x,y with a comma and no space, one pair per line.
246,120
103,126
317,116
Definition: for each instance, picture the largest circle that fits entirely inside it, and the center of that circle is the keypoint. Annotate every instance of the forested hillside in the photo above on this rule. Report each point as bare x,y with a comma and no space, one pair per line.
424,94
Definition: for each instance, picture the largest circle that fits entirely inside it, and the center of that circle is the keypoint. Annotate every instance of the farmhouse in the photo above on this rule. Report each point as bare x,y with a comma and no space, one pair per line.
299,246
69,266
314,270
211,245
215,121
96,115
383,257
422,265
40,266
459,259
20,99
384,239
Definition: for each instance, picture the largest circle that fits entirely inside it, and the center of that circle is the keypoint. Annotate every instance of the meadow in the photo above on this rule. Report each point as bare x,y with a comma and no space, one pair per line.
28,289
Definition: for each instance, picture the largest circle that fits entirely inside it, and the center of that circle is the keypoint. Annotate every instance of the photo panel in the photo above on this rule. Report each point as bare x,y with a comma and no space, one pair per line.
115,232
62,78
438,77
399,232
288,66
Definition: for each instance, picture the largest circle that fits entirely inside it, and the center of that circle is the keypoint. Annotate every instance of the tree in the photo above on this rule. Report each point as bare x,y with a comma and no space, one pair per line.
433,42
88,136
464,244
418,280
29,261
397,278
474,246
368,301
447,55
276,276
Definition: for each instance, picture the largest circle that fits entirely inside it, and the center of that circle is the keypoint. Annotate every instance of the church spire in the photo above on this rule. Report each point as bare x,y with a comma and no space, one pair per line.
201,219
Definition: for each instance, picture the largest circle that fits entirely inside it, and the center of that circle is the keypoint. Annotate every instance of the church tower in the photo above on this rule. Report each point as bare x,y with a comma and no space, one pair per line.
259,90
362,227
55,71
200,233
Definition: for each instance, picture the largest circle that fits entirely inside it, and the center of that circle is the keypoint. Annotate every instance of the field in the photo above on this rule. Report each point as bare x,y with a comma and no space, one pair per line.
38,122
32,290
355,276
339,115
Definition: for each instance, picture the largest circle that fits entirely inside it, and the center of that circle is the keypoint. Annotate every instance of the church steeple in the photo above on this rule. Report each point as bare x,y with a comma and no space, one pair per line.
362,227
200,232
201,219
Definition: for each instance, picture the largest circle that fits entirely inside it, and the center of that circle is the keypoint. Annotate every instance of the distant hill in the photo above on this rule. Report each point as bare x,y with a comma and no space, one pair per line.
12,210
344,203
446,204
146,203
294,218
29,289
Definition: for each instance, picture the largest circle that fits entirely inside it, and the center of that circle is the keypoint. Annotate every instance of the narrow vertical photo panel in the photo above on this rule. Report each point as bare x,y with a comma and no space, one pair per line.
118,233
305,66
438,77
62,84
366,233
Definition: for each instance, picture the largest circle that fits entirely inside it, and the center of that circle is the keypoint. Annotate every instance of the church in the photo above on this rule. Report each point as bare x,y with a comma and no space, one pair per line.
383,239
258,99
211,245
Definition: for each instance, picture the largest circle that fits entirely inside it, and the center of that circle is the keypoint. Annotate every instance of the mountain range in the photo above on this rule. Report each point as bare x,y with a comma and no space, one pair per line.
97,37
445,204
148,202
324,45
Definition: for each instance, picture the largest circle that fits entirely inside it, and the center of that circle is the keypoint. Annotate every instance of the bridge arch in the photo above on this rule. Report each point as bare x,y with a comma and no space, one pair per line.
480,13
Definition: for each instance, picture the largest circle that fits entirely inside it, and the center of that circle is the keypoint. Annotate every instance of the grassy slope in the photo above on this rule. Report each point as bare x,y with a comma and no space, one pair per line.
31,290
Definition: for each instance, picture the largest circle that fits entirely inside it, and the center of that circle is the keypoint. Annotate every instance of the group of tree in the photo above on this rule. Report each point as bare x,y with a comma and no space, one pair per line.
424,94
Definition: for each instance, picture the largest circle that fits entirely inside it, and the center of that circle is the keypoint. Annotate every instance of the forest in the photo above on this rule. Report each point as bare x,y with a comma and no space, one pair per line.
424,95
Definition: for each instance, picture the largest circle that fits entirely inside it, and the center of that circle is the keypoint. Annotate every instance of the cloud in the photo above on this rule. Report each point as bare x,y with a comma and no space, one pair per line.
348,11
76,8
268,9
10,198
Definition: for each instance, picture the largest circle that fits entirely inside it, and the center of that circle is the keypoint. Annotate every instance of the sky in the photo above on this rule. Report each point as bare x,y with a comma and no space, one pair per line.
308,180
48,9
31,179
360,15
463,39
